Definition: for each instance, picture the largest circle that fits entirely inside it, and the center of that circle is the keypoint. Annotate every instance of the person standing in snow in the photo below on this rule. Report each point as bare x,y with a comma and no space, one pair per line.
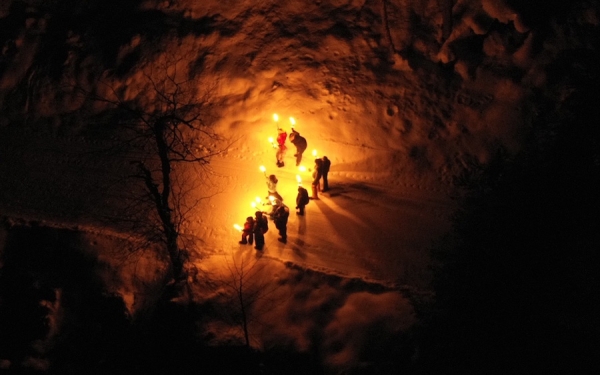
248,231
272,187
275,204
280,218
261,226
317,174
281,147
300,143
326,166
301,200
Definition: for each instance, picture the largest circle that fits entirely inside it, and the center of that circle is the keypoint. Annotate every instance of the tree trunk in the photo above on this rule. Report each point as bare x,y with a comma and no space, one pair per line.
176,256
446,6
243,311
163,203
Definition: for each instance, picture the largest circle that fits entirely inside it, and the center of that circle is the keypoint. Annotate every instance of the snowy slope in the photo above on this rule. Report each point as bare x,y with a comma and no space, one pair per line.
402,110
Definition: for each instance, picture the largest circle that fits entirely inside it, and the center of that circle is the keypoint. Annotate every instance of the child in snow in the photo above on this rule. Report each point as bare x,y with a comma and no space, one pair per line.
261,226
280,218
247,232
317,174
272,187
301,200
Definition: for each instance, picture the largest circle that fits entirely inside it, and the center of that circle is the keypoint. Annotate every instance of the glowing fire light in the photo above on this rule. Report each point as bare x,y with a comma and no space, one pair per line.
292,121
299,179
257,199
302,168
238,227
315,153
253,204
275,117
262,168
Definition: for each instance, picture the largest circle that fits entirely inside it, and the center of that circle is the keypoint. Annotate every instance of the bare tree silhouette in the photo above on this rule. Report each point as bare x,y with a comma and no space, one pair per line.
252,292
167,134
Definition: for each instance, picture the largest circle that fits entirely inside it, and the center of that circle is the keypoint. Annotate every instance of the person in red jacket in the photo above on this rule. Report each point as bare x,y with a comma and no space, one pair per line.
281,147
248,231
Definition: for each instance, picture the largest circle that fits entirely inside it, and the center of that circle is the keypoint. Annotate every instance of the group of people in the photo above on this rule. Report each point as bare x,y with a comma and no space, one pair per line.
255,227
320,172
254,230
296,139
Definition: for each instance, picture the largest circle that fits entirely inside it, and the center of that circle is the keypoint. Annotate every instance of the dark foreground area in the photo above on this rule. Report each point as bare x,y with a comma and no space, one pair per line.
516,283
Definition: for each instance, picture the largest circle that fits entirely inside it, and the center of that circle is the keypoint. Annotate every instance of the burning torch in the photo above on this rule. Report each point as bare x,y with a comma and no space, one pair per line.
276,119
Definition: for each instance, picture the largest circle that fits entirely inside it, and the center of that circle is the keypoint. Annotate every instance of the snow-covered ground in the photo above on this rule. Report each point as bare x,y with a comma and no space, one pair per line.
357,229
400,108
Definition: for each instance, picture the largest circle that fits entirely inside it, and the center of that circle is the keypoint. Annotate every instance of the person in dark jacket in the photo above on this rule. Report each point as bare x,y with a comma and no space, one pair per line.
280,218
326,166
248,231
300,143
260,228
317,174
275,204
301,200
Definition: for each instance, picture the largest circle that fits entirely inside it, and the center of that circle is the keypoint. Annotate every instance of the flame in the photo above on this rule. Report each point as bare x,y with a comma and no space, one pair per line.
271,139
315,153
262,168
292,121
253,204
238,227
302,168
299,179
257,199
275,117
